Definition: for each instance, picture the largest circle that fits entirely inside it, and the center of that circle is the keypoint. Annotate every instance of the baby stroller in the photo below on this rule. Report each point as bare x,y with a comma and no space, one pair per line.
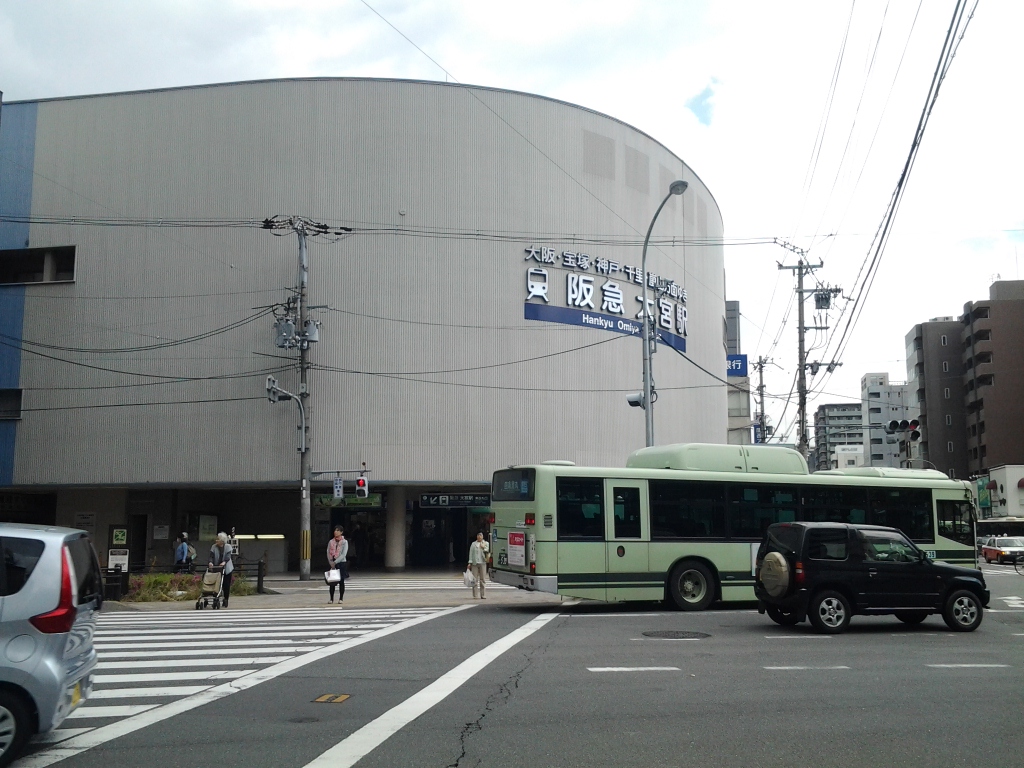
211,591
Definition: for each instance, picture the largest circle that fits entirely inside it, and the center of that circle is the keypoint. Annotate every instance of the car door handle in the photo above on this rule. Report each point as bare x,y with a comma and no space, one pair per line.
872,572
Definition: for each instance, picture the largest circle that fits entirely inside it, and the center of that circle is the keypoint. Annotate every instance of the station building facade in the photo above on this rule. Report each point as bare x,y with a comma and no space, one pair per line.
475,290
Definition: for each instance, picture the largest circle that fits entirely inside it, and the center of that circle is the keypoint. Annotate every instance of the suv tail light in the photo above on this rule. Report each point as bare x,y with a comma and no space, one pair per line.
798,573
61,618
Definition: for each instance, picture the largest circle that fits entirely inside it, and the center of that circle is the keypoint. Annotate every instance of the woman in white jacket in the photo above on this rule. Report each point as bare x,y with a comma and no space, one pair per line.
478,551
337,557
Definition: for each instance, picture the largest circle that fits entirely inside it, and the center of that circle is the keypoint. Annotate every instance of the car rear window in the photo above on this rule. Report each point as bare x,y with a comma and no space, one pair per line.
781,538
87,571
20,558
827,544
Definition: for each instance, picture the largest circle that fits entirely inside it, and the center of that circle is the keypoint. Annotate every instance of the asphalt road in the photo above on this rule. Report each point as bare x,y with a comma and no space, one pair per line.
532,682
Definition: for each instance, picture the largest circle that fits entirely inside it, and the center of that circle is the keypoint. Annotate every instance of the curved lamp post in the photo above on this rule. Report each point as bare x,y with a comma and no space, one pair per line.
675,188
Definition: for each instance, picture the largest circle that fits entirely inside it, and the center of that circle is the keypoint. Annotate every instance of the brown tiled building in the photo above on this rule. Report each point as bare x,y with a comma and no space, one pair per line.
992,338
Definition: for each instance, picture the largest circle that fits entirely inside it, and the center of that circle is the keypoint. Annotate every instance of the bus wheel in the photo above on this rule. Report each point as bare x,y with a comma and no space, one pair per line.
692,586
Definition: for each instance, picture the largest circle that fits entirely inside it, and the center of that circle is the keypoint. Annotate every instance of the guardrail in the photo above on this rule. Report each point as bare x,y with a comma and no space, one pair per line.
115,580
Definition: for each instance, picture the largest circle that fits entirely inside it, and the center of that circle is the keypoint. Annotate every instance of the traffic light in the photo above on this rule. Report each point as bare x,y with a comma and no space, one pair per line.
915,430
892,426
362,487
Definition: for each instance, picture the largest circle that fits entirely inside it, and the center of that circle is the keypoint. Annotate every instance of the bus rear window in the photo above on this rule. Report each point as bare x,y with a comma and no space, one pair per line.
513,485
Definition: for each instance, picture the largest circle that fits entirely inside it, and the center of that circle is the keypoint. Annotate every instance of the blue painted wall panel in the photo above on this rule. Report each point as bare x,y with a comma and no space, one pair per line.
17,158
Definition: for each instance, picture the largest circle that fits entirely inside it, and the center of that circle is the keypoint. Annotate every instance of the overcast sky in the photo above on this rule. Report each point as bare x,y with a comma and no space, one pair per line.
751,111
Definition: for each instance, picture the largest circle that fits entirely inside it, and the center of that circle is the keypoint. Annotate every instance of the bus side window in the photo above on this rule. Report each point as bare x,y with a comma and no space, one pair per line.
580,508
955,520
627,513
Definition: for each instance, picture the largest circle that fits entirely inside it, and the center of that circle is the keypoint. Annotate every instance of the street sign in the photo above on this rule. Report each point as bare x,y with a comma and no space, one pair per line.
120,536
455,500
339,488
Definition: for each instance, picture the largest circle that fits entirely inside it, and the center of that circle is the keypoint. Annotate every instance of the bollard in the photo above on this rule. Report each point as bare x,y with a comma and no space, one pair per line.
261,570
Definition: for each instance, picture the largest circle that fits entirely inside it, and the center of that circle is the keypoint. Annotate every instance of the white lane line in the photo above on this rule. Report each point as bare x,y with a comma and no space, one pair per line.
967,666
355,747
170,677
278,634
142,693
633,669
797,637
610,615
126,710
276,613
238,661
235,631
785,669
60,734
254,647
246,680
670,639
106,647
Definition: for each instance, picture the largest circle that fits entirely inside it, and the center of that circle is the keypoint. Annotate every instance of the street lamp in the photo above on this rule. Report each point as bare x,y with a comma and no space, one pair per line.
675,188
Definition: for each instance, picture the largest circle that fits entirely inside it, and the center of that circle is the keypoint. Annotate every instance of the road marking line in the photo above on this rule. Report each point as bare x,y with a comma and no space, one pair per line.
240,613
170,677
232,631
633,669
246,680
244,661
254,635
967,666
352,749
105,647
125,710
106,653
611,615
797,637
782,669
141,693
670,639
57,735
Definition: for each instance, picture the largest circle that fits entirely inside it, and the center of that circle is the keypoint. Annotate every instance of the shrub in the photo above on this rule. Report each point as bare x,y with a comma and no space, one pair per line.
177,587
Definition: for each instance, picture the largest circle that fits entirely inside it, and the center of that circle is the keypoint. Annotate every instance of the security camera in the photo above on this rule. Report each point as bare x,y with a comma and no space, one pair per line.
636,400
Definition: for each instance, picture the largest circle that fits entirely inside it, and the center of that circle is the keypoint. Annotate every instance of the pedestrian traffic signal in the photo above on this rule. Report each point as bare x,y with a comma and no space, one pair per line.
362,487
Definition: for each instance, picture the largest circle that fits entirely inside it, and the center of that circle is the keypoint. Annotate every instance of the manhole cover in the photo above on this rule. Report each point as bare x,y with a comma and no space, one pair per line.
673,634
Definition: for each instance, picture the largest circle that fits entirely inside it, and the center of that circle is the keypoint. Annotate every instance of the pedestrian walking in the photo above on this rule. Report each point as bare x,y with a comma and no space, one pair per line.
220,560
478,552
337,558
181,560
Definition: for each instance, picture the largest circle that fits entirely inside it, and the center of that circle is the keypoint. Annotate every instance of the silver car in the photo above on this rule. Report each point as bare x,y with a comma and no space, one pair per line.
50,593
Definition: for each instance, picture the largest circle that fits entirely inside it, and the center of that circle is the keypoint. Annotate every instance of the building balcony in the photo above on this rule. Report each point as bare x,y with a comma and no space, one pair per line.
984,369
980,347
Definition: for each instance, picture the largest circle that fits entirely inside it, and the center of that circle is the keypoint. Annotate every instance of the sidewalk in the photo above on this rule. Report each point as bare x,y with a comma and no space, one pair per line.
365,589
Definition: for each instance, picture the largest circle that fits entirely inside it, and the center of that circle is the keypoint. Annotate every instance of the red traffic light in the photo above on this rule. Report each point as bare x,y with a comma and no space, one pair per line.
362,487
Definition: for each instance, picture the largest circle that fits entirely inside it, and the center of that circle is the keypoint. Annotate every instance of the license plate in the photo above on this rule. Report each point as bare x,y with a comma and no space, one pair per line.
502,558
76,695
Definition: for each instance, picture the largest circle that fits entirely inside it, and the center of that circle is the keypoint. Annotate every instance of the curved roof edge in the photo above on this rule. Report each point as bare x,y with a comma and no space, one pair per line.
375,80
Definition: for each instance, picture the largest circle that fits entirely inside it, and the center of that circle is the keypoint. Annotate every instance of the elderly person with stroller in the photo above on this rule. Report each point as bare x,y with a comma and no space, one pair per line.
220,560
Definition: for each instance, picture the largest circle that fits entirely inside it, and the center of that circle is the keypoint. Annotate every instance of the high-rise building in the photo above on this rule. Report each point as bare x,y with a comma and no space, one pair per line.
739,381
881,402
835,425
992,337
935,371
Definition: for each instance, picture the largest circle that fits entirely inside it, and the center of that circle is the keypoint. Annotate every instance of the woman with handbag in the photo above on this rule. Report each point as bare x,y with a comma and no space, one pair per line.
337,556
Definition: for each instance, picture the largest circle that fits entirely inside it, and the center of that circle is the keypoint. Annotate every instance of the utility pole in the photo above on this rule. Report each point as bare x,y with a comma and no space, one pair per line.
823,298
762,426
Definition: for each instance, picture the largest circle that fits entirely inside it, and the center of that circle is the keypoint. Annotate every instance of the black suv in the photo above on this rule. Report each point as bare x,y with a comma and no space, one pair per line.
826,572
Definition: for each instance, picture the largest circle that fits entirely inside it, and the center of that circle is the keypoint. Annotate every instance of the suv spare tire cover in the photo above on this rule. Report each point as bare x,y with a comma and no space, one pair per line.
775,574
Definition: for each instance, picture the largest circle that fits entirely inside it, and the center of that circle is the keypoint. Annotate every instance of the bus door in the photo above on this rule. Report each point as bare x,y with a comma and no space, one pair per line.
627,532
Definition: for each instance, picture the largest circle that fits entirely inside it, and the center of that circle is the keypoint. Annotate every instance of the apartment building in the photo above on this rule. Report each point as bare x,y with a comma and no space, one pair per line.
881,402
935,376
836,425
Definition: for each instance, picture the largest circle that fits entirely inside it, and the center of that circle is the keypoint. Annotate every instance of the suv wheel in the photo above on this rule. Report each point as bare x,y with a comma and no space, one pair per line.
911,617
783,618
14,726
691,586
829,612
963,611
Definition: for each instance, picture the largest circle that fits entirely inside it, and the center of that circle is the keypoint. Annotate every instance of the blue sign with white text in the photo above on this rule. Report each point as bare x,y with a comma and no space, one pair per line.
572,316
736,365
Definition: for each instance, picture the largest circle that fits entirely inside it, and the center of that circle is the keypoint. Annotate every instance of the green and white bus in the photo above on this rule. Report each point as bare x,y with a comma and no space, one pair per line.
682,523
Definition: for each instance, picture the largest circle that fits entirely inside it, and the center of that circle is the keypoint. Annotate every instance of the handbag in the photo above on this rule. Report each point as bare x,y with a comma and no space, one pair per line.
467,578
332,576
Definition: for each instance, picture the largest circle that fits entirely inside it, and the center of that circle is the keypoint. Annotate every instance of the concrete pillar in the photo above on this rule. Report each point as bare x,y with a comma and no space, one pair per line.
394,546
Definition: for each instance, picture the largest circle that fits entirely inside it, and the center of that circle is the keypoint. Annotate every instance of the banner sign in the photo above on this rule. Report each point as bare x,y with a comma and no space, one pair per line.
517,548
567,316
736,365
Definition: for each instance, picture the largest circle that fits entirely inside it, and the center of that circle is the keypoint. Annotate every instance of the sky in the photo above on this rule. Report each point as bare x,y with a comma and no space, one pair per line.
799,117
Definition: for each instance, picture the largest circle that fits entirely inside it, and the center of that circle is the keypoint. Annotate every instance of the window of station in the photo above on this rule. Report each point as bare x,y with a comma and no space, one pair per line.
37,265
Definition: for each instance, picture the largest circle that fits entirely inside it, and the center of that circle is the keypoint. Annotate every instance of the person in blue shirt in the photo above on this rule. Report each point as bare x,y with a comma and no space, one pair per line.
181,559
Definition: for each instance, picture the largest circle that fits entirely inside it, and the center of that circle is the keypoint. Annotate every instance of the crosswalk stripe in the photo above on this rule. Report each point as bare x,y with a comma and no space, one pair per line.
165,663
238,636
235,629
110,647
141,693
124,710
253,648
170,677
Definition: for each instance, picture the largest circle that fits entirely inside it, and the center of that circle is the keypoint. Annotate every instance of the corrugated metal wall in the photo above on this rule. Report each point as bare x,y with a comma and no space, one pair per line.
422,331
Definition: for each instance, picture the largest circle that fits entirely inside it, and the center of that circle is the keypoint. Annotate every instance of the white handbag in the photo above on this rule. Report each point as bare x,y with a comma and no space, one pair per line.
467,578
332,576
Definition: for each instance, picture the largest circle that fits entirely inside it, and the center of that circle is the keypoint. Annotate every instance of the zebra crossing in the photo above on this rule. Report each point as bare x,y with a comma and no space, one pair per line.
384,583
151,661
